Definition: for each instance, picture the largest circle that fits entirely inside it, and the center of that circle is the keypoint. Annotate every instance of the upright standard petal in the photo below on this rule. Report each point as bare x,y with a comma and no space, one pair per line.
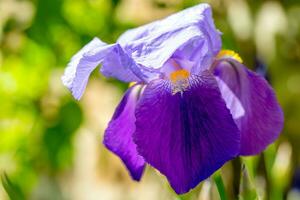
116,63
194,37
256,112
70,75
186,136
118,135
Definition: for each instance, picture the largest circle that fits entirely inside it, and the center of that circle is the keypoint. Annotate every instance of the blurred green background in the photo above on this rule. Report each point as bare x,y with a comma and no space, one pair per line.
51,146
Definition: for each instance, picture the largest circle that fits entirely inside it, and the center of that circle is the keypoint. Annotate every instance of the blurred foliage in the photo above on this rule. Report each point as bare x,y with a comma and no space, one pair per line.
39,119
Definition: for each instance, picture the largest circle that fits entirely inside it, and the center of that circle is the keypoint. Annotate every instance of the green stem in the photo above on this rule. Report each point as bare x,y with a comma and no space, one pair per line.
220,185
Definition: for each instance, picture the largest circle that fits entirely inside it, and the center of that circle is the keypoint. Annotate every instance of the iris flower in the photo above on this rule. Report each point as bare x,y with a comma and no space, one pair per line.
192,106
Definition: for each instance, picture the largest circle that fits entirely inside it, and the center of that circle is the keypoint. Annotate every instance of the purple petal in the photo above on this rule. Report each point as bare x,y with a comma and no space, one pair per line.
116,63
71,75
185,136
252,103
118,135
195,38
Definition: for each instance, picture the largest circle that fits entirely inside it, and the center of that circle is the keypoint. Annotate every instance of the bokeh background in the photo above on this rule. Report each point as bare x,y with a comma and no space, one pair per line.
51,145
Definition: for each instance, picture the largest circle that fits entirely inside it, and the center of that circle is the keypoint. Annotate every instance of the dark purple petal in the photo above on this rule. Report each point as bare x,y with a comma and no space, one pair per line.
115,63
185,136
252,103
118,135
189,34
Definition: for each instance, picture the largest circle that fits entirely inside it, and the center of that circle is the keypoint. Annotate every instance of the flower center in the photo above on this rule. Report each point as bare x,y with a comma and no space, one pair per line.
179,79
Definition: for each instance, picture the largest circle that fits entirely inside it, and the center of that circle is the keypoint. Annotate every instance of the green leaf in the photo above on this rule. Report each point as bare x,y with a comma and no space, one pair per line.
220,185
13,190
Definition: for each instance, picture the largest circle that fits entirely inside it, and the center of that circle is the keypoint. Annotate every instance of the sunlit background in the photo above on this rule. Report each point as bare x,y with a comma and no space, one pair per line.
51,145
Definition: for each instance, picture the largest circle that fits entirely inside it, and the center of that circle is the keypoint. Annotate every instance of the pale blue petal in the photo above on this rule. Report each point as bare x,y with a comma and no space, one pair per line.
189,34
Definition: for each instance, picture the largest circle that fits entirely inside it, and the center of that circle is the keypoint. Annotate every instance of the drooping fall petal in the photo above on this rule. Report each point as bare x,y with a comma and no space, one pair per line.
118,135
186,136
252,103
